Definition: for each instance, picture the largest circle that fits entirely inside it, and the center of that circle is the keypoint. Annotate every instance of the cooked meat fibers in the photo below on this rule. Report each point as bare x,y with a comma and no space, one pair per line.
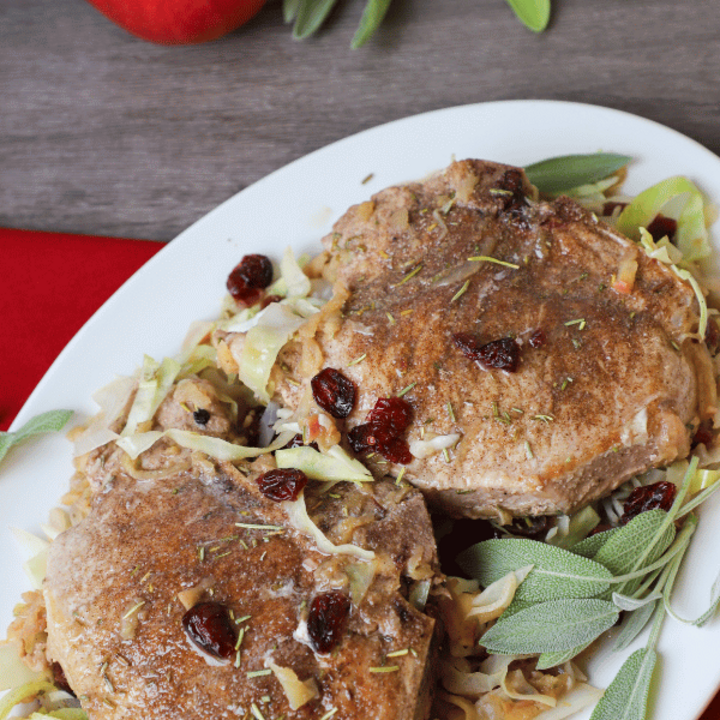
501,315
198,533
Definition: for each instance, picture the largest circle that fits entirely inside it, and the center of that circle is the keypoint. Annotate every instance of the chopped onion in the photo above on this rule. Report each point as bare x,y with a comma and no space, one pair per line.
297,691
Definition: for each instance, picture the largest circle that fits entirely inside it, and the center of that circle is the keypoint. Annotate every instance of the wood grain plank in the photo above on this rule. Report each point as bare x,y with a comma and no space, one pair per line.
103,133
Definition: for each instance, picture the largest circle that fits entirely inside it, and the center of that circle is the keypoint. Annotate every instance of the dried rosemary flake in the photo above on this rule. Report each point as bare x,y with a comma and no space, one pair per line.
406,312
241,637
461,291
133,610
446,455
398,653
410,275
385,669
368,178
580,322
528,451
108,683
390,318
357,360
252,526
485,258
399,478
566,382
258,673
406,389
329,714
451,412
544,418
256,711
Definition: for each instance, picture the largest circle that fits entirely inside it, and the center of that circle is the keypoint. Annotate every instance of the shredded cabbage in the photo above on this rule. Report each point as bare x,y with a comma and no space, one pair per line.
691,236
23,692
298,516
155,383
335,465
262,344
13,671
213,446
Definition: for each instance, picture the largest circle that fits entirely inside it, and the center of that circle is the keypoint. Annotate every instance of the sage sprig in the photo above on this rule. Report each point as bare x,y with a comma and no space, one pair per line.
307,16
51,421
571,597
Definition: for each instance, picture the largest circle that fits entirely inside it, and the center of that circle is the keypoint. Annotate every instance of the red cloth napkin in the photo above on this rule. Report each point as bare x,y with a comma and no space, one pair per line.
50,285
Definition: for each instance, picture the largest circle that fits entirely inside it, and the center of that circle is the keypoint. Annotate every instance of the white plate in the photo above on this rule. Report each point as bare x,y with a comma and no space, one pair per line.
296,206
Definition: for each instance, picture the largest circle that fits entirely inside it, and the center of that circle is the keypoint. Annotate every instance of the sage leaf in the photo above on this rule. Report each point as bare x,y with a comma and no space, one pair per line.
559,174
557,573
553,659
635,546
554,626
714,602
372,16
633,624
534,14
290,10
51,421
627,695
629,603
591,545
310,16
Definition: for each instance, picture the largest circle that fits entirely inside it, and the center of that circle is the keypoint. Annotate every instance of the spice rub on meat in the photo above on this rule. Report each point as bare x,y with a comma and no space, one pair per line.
177,529
588,382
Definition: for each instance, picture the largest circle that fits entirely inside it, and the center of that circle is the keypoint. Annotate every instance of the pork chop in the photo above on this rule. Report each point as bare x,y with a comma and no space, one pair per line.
177,529
609,379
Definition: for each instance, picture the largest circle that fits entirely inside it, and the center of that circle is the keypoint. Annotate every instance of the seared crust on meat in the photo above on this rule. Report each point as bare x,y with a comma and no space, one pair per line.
617,381
192,529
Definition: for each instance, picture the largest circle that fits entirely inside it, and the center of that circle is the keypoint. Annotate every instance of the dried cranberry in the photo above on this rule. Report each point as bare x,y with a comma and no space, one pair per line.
249,278
59,678
649,497
662,226
210,628
358,438
333,392
703,435
537,339
201,416
396,450
327,619
387,421
282,484
393,415
503,354
513,197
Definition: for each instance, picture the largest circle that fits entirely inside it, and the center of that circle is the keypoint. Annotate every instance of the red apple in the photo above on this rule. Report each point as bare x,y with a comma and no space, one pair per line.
179,22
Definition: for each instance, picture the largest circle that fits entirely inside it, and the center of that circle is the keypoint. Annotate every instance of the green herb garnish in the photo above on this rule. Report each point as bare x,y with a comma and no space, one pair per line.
570,597
563,173
51,421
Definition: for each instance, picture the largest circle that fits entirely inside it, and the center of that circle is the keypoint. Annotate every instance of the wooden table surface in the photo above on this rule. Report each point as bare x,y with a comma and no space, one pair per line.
105,134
